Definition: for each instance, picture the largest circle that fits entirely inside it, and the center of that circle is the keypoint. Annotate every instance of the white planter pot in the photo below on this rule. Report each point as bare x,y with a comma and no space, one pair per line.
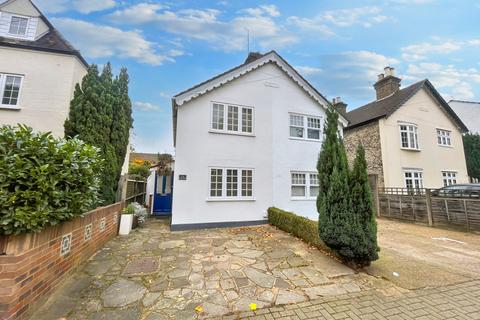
126,221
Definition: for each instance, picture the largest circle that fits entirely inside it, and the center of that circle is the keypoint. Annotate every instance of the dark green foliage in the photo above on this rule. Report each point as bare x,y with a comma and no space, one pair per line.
336,223
301,227
101,115
366,249
340,224
471,144
44,180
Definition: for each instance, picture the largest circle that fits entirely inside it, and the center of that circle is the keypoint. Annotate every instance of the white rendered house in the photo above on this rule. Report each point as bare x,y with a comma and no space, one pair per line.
38,69
246,140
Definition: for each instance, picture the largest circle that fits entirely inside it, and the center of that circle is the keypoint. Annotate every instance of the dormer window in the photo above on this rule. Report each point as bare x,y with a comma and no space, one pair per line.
18,26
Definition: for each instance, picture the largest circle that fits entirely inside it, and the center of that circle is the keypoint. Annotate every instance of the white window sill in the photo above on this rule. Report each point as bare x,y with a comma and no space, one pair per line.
410,149
303,199
4,106
233,133
219,199
445,146
305,139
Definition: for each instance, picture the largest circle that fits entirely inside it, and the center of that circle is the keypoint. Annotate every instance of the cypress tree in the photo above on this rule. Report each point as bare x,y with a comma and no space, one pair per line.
366,249
471,145
100,114
336,223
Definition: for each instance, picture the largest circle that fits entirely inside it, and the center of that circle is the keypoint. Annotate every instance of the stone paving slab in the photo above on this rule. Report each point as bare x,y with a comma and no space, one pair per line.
157,274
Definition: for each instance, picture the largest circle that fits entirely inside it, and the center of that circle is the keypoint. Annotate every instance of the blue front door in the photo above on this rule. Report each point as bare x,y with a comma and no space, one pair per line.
162,200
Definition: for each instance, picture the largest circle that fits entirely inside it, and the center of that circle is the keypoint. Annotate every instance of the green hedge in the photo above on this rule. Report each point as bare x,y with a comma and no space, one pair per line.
44,180
301,227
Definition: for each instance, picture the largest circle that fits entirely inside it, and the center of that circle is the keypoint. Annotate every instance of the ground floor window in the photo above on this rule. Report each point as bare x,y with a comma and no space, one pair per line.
449,178
231,183
304,185
413,179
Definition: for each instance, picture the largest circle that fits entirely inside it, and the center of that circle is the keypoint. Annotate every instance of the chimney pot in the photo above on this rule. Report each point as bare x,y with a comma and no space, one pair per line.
380,76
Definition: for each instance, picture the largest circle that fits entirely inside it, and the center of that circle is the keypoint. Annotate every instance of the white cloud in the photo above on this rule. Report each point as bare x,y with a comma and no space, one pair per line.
422,50
145,106
207,25
83,6
308,71
323,23
454,82
412,2
99,41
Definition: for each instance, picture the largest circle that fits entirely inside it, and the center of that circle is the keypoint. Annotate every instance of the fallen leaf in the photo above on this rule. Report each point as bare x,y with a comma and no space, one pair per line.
199,309
253,306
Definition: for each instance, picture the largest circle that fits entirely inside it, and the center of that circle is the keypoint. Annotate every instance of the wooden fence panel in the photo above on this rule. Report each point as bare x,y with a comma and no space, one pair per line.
413,205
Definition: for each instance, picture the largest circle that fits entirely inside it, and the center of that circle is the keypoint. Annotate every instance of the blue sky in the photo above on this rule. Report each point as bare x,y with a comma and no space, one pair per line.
339,46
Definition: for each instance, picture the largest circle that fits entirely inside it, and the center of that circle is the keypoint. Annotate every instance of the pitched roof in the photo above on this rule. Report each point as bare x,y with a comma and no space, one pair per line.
51,41
386,106
253,62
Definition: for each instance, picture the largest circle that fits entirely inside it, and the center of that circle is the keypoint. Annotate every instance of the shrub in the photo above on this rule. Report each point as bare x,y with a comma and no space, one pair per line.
44,180
301,227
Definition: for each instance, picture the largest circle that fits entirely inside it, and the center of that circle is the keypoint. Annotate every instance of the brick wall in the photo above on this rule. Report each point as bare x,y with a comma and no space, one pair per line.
369,136
33,264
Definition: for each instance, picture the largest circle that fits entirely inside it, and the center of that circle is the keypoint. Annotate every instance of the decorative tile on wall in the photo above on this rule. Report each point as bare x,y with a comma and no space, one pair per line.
103,223
66,244
88,232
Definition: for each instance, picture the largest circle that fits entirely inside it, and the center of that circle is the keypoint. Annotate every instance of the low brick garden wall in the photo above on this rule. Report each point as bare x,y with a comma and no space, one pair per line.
33,264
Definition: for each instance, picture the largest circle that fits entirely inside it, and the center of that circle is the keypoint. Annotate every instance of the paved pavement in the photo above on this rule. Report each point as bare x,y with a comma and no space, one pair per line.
458,301
156,274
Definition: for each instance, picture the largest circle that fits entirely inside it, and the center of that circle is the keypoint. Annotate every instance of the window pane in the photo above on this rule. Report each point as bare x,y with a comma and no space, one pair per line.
313,123
247,120
216,182
298,178
296,132
232,182
314,179
404,139
18,26
247,183
298,191
232,118
296,120
313,134
11,90
217,116
314,191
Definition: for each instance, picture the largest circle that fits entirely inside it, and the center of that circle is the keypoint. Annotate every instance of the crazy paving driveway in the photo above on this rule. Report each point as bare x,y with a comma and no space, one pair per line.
156,274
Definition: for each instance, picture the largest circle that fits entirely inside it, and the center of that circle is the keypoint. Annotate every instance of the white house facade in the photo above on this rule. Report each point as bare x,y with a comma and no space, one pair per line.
38,69
247,140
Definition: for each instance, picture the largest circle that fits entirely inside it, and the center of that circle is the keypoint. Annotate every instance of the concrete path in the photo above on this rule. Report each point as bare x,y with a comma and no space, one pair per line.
416,256
156,274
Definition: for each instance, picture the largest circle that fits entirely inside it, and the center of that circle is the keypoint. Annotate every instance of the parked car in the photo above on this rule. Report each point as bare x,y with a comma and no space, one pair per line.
471,190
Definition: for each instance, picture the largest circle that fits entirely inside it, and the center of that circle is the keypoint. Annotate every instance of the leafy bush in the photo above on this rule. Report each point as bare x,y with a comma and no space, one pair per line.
44,180
139,169
301,227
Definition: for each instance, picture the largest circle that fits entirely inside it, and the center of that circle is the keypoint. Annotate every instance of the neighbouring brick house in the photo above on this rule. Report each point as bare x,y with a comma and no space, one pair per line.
412,138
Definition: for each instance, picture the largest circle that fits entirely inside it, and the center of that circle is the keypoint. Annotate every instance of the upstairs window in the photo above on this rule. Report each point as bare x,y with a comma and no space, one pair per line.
449,178
305,127
10,89
18,26
409,136
232,118
443,138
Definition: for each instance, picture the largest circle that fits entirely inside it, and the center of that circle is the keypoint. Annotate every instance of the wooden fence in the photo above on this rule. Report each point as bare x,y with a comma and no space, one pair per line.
135,191
421,206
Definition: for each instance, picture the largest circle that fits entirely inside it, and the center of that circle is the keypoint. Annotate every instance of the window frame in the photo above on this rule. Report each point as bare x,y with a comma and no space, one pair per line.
453,177
408,132
308,185
17,35
413,178
224,187
239,123
447,135
3,79
305,127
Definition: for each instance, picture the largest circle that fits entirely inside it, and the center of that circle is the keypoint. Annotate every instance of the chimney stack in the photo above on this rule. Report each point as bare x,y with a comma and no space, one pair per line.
339,105
387,83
